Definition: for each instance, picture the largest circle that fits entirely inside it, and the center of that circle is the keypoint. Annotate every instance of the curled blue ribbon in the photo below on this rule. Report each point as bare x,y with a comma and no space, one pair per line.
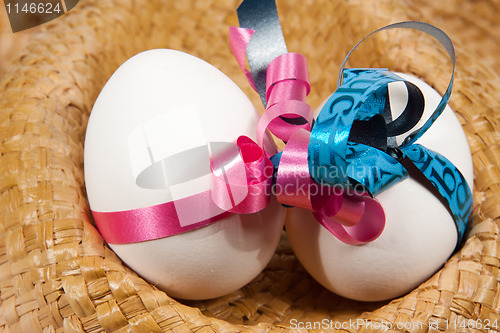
340,153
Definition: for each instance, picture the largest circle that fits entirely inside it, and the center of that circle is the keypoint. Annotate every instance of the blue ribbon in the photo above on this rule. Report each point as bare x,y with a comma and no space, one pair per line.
353,139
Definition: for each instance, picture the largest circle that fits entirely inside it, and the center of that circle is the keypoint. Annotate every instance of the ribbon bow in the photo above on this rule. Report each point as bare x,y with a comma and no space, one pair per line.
353,141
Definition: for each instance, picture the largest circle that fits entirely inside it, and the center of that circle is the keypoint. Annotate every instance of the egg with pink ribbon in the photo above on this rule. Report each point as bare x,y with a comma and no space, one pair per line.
175,181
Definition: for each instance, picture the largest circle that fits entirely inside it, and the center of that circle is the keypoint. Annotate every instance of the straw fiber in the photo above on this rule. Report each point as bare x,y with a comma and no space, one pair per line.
57,274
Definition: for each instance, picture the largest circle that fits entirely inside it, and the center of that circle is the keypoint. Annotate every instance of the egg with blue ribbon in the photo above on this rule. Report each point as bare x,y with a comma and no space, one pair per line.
414,160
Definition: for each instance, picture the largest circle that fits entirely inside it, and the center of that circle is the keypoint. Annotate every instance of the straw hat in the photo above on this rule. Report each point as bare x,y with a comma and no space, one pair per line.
57,274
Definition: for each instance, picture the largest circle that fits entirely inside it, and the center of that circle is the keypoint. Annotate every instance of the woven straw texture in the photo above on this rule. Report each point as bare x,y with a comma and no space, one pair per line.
57,274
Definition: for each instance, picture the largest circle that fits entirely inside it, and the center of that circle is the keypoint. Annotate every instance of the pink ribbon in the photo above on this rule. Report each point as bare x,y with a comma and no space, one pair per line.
240,38
241,184
287,86
158,221
354,218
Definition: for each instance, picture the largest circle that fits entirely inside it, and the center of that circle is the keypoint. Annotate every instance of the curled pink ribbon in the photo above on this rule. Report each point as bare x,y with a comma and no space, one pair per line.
242,182
287,86
353,218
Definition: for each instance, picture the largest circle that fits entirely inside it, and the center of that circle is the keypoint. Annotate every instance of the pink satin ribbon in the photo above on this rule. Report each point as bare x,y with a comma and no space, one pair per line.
158,221
241,184
287,86
240,38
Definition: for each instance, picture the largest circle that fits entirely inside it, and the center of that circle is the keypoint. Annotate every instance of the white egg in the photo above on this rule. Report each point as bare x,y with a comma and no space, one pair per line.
160,104
419,236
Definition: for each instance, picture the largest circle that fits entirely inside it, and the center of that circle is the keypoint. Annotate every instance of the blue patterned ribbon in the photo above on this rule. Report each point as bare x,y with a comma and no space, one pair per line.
353,139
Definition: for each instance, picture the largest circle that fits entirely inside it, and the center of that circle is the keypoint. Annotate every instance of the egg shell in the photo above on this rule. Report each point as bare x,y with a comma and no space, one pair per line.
158,104
419,235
